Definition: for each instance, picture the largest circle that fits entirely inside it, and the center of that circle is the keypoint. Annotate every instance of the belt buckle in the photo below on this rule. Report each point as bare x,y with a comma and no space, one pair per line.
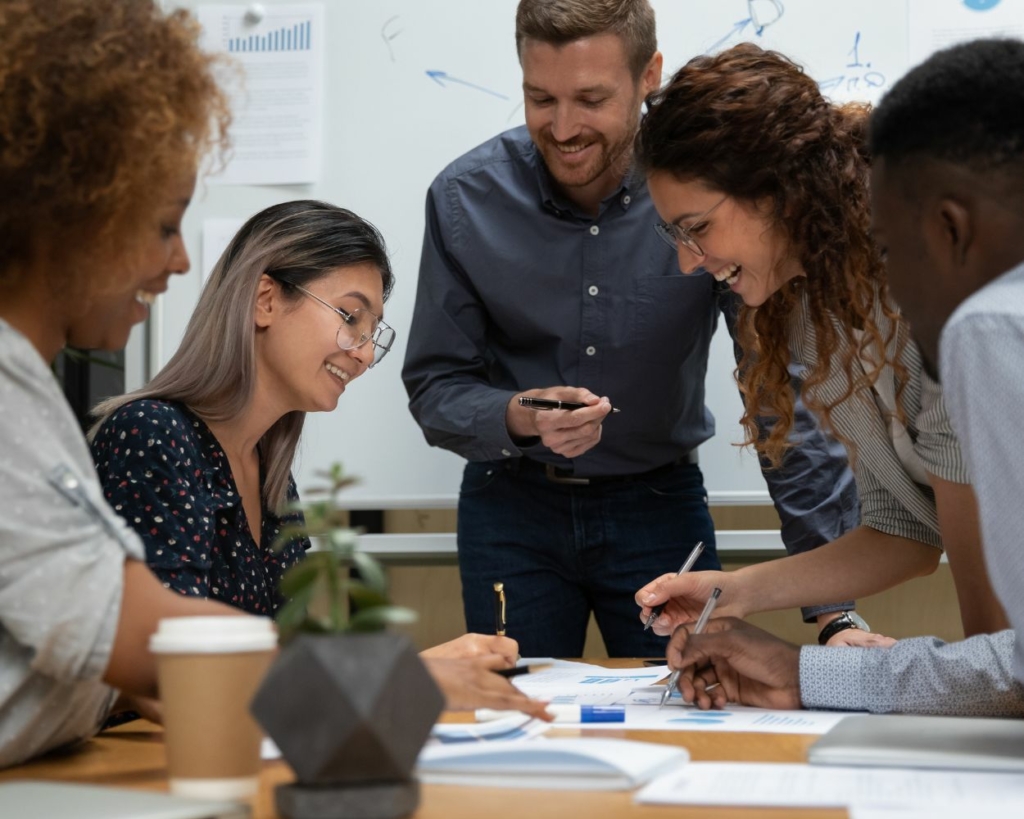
551,473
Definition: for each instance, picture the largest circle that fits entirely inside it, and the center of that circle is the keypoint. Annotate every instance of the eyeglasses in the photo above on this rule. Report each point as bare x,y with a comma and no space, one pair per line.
358,327
675,235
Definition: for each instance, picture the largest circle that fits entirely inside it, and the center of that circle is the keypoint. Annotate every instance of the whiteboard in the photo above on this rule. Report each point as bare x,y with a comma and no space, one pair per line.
391,123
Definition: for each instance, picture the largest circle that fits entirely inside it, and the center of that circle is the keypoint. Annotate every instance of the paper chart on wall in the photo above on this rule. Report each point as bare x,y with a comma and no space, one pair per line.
277,102
936,24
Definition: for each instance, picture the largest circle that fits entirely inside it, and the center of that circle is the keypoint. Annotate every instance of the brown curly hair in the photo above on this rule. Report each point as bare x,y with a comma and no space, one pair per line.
103,104
751,124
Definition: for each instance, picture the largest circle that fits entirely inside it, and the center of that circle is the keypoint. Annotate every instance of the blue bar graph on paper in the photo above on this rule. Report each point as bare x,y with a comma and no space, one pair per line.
297,37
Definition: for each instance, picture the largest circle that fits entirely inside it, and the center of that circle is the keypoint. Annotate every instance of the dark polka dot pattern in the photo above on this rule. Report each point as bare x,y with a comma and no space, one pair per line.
166,474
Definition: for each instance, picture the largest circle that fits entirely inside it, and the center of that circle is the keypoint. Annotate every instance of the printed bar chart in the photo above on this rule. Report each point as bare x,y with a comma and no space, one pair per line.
287,38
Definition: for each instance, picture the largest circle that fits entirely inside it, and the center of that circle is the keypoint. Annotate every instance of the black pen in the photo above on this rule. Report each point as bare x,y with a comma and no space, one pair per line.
499,609
687,565
548,404
516,670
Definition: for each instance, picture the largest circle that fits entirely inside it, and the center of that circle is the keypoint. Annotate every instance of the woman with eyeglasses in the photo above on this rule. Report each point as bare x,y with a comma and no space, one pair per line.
762,183
199,460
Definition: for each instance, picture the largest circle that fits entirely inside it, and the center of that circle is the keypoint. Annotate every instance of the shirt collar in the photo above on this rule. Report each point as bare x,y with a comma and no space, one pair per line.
552,199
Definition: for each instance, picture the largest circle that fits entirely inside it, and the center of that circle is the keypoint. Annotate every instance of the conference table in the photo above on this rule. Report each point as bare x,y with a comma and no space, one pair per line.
132,756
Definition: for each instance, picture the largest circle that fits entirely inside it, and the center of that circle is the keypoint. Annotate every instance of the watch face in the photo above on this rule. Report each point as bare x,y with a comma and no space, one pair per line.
859,621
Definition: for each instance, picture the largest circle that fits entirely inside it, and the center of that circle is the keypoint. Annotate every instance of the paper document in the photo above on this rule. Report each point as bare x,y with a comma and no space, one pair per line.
805,786
936,24
584,684
277,102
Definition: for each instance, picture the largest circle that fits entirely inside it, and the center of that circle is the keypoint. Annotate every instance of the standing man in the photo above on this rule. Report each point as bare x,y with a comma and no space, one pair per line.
947,189
542,276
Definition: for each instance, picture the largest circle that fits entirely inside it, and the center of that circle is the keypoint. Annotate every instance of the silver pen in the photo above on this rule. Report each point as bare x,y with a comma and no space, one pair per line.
687,565
702,621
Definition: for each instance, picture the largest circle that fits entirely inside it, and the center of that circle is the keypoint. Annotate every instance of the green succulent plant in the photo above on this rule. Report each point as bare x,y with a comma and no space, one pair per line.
353,604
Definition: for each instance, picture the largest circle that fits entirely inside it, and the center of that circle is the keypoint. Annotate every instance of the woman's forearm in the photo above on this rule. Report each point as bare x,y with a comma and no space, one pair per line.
862,562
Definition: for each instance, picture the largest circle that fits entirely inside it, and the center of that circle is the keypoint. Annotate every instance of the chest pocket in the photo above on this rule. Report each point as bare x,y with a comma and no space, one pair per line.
673,317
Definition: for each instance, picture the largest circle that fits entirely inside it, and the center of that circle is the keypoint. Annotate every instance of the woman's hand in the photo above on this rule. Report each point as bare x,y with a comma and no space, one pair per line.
687,595
475,645
471,683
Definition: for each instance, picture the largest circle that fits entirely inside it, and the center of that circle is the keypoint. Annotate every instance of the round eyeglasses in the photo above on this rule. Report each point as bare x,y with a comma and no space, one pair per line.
358,327
675,235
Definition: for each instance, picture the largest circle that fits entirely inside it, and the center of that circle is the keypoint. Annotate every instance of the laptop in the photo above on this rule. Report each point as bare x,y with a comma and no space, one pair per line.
60,800
890,740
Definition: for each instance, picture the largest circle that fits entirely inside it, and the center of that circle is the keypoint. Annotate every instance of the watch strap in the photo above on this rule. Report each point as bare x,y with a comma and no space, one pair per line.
841,623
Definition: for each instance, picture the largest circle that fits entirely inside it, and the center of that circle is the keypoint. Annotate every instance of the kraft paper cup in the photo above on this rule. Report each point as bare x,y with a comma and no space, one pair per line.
209,669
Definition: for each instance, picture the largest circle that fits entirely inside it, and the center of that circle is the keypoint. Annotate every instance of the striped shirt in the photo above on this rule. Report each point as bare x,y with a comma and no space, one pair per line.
982,362
892,501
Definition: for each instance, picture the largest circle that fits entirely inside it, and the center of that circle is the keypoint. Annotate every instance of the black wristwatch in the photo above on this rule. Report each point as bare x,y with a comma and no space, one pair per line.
848,619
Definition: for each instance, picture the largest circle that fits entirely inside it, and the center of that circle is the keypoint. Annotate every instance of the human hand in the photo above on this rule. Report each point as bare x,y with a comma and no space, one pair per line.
475,645
733,661
860,639
470,683
569,433
685,596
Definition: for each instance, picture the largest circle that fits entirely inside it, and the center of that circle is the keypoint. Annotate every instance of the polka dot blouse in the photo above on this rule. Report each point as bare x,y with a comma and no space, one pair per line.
165,473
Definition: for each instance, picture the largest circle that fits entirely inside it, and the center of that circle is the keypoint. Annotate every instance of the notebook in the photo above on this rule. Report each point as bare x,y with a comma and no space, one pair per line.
963,743
59,800
557,764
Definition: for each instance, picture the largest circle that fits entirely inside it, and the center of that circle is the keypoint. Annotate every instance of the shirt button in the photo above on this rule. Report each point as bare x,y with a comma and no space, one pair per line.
591,350
506,453
627,199
594,230
592,290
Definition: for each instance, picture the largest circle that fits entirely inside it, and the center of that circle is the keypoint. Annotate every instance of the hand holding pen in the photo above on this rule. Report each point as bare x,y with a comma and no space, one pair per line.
687,565
682,596
705,615
566,432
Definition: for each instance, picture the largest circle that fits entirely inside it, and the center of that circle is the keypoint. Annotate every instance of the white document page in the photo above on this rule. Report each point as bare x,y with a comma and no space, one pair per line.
277,103
217,235
936,24
584,684
791,785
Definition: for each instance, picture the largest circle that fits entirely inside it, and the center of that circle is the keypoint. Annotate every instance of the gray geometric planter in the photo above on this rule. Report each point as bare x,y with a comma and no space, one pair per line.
350,713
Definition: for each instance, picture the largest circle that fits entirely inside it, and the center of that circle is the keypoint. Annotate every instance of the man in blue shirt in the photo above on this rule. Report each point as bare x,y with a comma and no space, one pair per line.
542,276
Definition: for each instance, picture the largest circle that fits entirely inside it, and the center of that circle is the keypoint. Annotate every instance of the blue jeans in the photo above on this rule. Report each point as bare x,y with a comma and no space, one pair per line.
563,551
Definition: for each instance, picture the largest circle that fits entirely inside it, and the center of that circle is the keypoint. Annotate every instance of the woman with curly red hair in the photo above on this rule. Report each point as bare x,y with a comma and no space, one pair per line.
762,183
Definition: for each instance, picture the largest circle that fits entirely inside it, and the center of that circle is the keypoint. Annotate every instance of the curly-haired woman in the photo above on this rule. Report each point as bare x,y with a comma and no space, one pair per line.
762,183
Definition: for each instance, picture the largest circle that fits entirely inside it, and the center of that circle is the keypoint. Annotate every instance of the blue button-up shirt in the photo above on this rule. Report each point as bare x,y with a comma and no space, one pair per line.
521,289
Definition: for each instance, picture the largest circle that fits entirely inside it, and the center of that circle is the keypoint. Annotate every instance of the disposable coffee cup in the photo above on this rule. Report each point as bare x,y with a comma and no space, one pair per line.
209,669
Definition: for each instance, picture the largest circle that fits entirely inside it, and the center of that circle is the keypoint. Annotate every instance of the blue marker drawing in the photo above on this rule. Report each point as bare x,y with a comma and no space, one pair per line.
860,78
441,77
762,13
981,5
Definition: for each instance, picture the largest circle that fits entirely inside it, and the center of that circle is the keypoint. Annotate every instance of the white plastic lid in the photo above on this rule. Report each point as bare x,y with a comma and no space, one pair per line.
202,635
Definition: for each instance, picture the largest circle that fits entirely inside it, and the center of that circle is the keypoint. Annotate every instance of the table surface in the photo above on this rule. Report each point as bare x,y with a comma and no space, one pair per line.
132,756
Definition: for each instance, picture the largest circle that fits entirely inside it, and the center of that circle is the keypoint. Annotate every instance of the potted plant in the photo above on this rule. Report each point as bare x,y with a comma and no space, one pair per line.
348,703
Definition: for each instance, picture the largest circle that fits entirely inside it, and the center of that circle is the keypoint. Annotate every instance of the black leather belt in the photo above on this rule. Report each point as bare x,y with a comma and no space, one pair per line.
558,475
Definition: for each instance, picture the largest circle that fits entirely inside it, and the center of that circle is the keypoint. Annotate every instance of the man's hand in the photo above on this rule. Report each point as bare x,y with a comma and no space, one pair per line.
686,595
475,645
471,683
569,433
738,663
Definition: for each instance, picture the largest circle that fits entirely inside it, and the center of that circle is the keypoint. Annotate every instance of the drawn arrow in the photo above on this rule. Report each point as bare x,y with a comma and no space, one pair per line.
737,29
441,77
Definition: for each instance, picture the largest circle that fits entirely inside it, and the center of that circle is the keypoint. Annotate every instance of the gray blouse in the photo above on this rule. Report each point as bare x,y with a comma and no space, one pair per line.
62,552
